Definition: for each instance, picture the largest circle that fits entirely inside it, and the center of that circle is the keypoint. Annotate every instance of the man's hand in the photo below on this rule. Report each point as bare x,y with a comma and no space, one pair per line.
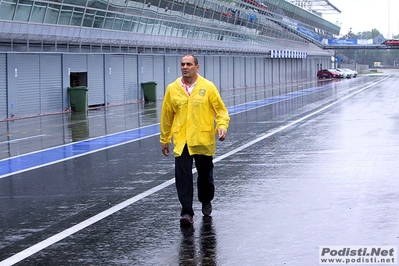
165,149
221,134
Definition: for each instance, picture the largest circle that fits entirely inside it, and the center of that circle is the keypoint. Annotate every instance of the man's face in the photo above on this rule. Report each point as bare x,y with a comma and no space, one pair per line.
188,67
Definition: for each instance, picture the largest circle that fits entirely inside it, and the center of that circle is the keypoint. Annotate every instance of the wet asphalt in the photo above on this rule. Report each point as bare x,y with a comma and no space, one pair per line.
309,171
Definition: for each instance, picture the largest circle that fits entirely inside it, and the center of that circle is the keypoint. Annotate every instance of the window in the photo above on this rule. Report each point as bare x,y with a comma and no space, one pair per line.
65,15
109,21
99,19
75,2
38,12
118,22
7,9
52,14
77,16
23,10
127,22
89,18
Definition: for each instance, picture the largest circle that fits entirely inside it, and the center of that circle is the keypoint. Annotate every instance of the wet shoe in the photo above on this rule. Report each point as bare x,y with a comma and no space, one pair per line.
186,220
207,209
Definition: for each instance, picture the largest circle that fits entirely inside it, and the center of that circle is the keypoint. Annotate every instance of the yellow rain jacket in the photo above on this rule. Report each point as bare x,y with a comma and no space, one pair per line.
191,119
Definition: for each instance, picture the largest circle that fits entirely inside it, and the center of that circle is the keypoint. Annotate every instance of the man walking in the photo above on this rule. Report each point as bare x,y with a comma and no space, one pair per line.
191,106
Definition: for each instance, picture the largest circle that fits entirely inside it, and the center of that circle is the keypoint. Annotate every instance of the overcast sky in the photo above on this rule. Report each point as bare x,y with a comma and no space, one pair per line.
365,15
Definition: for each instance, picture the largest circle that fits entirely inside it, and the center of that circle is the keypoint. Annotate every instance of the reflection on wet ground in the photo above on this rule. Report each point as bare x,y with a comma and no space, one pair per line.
27,135
205,253
79,126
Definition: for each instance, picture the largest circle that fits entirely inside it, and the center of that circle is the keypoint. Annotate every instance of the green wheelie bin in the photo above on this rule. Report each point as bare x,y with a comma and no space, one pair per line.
78,98
150,91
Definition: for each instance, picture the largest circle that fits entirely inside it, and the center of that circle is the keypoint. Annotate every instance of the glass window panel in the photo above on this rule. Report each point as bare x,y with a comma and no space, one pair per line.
38,12
156,29
109,21
134,8
23,10
141,25
118,22
99,19
135,23
127,22
75,2
190,31
178,6
162,30
117,5
197,34
77,16
184,30
98,4
169,31
52,14
89,18
149,25
65,15
134,27
179,33
7,9
175,29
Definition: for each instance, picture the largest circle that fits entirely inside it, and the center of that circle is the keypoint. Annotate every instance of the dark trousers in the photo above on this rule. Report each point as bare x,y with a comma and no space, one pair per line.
184,180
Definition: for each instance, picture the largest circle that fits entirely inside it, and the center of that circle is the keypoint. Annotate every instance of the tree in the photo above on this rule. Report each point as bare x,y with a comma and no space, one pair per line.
387,57
368,34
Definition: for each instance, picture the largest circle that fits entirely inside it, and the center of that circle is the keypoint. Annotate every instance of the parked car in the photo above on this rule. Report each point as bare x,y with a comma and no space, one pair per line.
328,73
354,72
346,73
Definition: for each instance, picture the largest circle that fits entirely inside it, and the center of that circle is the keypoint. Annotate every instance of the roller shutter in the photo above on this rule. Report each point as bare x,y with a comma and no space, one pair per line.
3,86
275,68
212,70
268,72
250,76
249,79
28,84
239,72
116,92
159,76
239,80
227,84
260,77
50,84
259,71
227,72
172,69
76,62
201,62
131,85
146,68
283,73
95,79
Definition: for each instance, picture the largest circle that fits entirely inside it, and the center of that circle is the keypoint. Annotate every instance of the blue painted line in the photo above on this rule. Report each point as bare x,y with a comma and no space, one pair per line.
41,158
52,155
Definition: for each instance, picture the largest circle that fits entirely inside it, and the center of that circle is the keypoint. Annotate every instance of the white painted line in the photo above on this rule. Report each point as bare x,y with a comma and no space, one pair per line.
21,139
73,157
68,232
76,142
271,133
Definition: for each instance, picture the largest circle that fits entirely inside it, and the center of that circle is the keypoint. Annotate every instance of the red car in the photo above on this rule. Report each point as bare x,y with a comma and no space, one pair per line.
329,73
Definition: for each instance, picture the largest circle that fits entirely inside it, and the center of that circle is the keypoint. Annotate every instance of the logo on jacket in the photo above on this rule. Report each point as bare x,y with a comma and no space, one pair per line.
202,92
